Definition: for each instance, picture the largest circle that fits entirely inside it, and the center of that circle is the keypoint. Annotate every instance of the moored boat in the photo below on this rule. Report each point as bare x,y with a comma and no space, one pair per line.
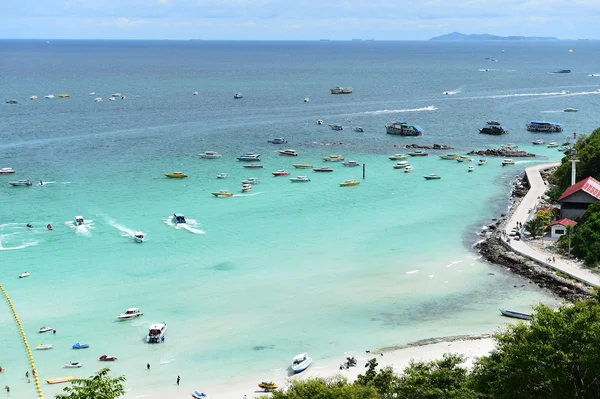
493,123
41,347
130,313
249,157
299,179
408,169
80,346
359,129
301,362
63,95
507,161
449,156
418,153
291,153
176,175
45,329
516,315
302,165
323,169
210,155
494,130
336,126
21,183
350,163
350,182
222,193
432,176
253,166
341,90
251,180
12,101
482,161
199,395
105,358
463,159
552,144
333,158
222,176
401,165
238,96
538,142
246,187
281,172
398,157
471,168
277,140
7,171
268,386
156,333
401,128
73,365
23,275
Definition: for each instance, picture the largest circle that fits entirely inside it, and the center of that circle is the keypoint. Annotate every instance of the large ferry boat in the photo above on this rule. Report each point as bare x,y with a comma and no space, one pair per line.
341,90
402,128
544,127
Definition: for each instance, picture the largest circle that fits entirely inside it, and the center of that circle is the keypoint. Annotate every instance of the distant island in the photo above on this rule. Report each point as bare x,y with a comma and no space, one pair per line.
457,36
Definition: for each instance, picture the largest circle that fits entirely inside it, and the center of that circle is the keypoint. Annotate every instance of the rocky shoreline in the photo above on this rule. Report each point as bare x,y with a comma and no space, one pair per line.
502,152
491,249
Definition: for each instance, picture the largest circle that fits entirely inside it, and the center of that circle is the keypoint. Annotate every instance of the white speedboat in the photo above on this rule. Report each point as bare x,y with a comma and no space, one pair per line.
432,176
246,187
289,152
398,157
156,333
507,161
299,179
138,236
222,176
238,96
93,93
301,362
210,155
401,165
408,169
7,171
350,163
195,93
23,275
42,347
79,221
49,96
130,313
33,97
306,99
251,180
98,99
21,183
552,144
471,168
74,365
45,329
319,121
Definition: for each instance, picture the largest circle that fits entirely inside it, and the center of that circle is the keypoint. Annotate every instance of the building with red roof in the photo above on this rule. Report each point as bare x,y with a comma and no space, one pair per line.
576,199
558,228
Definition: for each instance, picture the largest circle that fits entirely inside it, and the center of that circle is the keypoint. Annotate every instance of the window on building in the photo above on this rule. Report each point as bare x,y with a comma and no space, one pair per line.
559,231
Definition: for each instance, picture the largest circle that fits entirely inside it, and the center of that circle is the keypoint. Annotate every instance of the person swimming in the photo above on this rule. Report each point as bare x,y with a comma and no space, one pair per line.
49,227
29,225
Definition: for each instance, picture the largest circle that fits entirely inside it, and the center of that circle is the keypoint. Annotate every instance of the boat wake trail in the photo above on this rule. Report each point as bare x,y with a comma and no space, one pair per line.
166,361
412,271
24,245
552,93
189,225
245,195
396,111
126,232
43,183
553,112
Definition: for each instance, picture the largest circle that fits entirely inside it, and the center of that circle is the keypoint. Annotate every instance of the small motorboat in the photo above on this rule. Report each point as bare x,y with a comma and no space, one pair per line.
222,193
199,395
253,166
493,123
249,157
482,161
79,220
238,96
516,315
281,172
291,153
80,346
418,153
33,97
21,183
400,165
571,110
246,187
74,365
93,93
7,171
105,358
130,313
299,179
45,329
301,362
333,158
538,142
306,99
49,96
350,182
210,155
471,168
268,386
408,169
278,140
319,121
156,333
358,129
117,95
463,159
398,157
350,163
251,180
112,98
507,161
98,99
323,169
42,347
138,236
302,165
59,380
12,101
195,93
176,175
23,275
222,176
552,144
432,176
450,156
63,95
178,218
336,126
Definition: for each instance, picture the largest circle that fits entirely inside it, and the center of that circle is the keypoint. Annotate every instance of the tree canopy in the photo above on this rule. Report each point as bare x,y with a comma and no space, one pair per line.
98,386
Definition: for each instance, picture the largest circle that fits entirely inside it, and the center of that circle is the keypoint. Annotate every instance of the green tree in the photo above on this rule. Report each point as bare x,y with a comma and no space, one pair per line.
331,388
98,386
586,238
535,227
384,381
546,215
557,356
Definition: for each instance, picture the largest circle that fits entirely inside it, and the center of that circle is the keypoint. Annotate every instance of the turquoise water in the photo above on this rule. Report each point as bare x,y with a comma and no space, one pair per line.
286,268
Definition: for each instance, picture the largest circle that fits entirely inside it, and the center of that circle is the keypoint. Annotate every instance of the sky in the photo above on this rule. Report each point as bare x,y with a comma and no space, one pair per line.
294,20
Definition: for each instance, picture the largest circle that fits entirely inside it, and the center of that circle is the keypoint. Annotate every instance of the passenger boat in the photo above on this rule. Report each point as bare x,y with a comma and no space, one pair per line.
538,142
80,346
105,358
249,157
507,162
401,128
450,156
544,127
138,236
482,161
222,176
156,333
571,110
350,163
359,129
302,165
471,168
333,158
494,130
336,126
463,159
251,180
418,153
253,166
130,313
351,182
176,175
516,315
199,395
42,347
246,187
277,140
6,171
59,380
432,176
21,183
301,362
178,218
400,165
280,172
341,90
268,386
552,144
238,96
408,169
323,169
45,329
73,365
398,157
299,179
23,275
222,193
79,221
210,155
291,153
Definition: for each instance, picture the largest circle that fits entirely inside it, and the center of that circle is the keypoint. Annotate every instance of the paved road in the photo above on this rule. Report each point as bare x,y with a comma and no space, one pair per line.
522,213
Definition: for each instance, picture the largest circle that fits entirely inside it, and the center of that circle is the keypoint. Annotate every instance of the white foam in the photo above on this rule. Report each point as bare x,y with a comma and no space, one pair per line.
412,271
552,93
127,232
395,111
186,226
24,245
83,229
431,275
246,194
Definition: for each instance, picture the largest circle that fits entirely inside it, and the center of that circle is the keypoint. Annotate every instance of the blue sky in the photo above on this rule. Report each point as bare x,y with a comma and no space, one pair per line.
294,20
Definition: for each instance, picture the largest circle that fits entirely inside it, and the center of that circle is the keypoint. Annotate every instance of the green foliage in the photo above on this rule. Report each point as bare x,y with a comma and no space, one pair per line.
535,227
545,215
383,381
98,386
585,241
331,388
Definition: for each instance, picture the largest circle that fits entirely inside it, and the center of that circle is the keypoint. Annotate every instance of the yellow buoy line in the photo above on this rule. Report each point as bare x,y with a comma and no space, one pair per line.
35,373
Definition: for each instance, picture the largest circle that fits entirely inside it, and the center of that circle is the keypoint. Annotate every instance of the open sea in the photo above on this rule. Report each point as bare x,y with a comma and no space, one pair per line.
254,279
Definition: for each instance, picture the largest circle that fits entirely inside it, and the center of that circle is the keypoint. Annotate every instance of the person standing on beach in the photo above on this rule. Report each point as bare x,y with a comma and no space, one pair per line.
178,380
27,374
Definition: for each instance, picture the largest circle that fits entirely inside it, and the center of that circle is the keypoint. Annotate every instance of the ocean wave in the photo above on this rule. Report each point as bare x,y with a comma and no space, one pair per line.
412,271
395,111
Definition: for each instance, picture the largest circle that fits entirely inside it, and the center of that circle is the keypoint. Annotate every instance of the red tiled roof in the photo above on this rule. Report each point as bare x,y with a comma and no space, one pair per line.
564,222
588,185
